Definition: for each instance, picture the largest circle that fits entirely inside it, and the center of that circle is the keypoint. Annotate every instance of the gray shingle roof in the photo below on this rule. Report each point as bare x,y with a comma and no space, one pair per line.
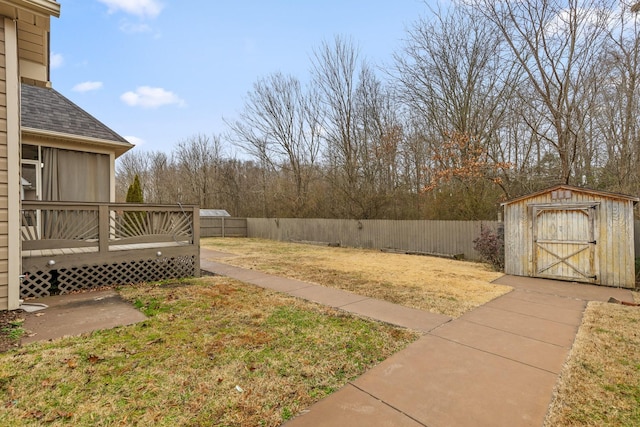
46,109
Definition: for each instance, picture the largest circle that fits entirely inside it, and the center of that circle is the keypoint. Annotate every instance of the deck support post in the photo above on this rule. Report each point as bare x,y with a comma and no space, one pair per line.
103,229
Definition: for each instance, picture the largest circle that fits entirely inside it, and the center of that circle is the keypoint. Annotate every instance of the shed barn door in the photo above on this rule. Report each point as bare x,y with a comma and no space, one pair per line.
564,243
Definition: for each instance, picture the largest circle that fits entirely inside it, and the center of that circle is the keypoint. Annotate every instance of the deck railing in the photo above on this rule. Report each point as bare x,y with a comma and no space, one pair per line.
73,246
105,226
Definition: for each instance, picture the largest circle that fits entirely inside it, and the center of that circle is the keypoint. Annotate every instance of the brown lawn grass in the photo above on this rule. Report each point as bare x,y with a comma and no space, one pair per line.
435,284
213,352
600,383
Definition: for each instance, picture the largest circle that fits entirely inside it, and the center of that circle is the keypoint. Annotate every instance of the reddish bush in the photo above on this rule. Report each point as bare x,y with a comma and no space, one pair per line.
490,245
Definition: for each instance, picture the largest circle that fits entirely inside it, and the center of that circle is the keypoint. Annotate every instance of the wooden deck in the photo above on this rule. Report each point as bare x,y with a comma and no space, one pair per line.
92,250
103,243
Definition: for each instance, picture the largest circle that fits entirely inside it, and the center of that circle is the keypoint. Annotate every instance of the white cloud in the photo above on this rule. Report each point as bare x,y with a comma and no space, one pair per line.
141,8
130,28
87,86
561,24
56,60
134,140
151,97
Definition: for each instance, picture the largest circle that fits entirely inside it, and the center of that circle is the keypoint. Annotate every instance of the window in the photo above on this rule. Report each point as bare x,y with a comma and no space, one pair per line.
64,175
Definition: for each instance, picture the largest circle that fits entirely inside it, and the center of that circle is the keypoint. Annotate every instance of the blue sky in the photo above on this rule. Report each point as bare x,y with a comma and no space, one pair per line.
160,71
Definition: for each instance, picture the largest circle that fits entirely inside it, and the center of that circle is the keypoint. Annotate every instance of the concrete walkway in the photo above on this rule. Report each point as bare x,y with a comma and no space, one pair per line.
76,314
494,366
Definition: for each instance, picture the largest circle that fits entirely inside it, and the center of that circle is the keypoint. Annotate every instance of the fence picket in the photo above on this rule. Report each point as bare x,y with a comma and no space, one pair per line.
437,237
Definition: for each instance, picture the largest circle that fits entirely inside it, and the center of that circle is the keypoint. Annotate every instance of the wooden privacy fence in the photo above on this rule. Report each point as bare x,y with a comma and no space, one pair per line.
439,237
450,238
223,227
636,239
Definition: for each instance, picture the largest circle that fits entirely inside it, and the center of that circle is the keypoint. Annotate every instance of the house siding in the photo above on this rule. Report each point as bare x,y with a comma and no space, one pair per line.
613,228
4,185
31,40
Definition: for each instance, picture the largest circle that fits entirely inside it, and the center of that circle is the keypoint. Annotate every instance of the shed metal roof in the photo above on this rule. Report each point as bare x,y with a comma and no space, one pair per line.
214,212
47,110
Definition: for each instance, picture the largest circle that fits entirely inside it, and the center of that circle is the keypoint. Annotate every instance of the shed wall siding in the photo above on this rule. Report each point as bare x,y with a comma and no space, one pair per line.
614,252
517,234
4,206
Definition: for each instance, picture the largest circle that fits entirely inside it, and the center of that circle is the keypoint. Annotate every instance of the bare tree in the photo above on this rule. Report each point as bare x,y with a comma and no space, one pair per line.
361,130
162,179
334,70
379,135
130,164
618,117
451,72
279,126
453,79
556,42
198,159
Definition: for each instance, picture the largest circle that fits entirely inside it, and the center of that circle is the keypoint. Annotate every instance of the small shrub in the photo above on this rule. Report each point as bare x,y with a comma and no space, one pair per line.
134,192
134,220
638,270
490,245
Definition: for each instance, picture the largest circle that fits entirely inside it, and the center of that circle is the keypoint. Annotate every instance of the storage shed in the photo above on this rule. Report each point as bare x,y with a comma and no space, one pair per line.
571,233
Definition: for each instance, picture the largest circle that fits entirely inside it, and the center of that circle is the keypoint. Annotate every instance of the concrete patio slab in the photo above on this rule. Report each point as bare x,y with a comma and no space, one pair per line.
571,315
328,296
569,289
254,277
547,299
394,314
76,314
357,409
524,325
211,254
538,354
442,383
279,284
241,274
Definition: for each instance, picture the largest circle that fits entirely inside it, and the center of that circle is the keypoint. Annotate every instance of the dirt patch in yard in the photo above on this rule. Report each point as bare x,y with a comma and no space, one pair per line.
434,284
10,329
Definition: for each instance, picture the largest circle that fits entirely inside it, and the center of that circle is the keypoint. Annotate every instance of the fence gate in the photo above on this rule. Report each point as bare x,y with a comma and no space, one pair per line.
564,242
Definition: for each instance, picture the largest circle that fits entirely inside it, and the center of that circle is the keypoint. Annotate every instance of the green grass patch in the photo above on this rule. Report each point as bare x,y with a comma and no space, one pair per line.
213,352
14,330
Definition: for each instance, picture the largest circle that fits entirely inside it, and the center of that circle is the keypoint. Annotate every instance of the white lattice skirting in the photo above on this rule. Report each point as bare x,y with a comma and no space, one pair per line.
38,284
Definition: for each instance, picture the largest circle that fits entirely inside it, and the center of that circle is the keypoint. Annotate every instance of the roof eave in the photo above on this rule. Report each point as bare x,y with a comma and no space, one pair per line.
118,147
43,7
574,188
